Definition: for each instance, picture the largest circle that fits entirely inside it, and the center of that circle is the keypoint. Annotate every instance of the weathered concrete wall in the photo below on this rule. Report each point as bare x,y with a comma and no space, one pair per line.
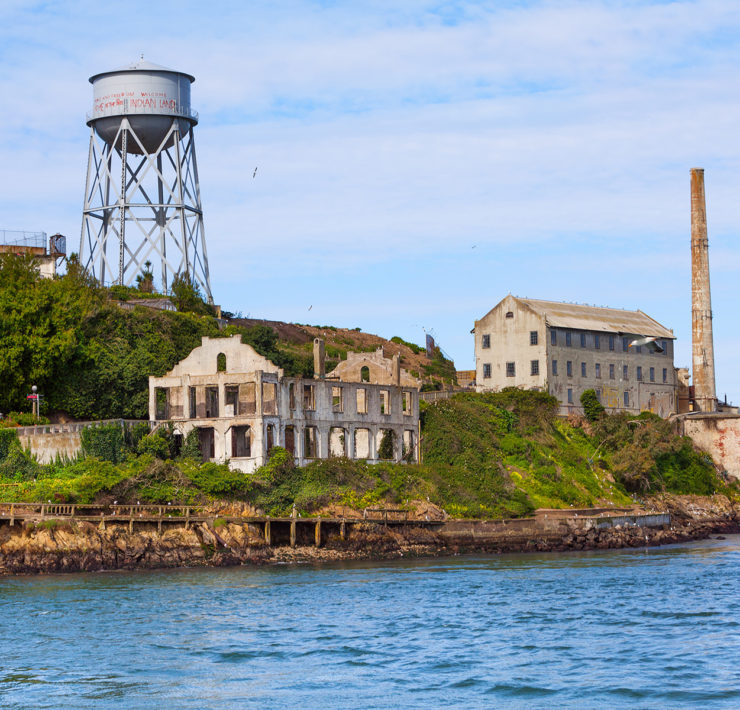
48,446
718,435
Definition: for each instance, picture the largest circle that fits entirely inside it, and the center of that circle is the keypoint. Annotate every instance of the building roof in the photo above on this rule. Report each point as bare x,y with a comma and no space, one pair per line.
608,320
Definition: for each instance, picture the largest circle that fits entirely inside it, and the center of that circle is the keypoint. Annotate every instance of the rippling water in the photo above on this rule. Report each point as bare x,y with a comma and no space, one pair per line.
652,628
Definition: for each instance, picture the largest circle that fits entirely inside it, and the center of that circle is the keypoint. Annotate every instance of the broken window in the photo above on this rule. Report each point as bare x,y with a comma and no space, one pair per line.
309,403
336,442
221,363
385,402
232,400
269,398
211,402
337,399
406,402
270,438
291,395
408,446
361,400
290,440
309,443
365,374
510,369
247,398
387,444
241,442
206,440
192,402
362,443
161,403
486,341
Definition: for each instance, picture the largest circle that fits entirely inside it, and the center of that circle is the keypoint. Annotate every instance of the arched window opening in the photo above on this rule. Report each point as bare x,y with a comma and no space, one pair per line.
221,363
365,374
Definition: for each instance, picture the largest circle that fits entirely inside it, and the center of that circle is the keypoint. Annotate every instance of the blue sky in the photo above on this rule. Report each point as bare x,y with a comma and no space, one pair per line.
417,160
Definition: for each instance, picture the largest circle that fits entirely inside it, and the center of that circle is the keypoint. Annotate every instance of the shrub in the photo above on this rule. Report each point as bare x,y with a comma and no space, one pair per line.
156,445
592,408
8,438
104,442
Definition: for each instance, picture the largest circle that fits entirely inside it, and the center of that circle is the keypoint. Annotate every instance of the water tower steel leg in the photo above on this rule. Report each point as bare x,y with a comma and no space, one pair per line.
122,228
180,206
161,222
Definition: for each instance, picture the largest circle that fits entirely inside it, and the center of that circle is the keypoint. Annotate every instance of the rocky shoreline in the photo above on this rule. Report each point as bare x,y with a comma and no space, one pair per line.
60,546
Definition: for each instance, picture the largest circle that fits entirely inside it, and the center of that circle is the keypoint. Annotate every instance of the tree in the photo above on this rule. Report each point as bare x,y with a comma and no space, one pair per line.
592,408
187,296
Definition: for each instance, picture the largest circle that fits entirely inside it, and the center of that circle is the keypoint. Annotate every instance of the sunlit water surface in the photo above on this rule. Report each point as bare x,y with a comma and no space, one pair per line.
652,628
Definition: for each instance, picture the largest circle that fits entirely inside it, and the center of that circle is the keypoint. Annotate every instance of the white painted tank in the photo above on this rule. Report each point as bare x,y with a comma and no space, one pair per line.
148,95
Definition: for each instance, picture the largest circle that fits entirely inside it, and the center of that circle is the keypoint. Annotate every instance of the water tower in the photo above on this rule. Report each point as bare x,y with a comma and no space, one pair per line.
142,196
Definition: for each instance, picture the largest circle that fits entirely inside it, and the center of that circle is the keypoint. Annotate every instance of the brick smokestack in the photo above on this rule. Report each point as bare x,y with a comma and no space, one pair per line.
701,300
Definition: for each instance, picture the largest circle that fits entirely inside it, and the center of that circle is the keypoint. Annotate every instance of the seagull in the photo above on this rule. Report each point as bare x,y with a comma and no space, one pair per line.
647,341
254,173
310,307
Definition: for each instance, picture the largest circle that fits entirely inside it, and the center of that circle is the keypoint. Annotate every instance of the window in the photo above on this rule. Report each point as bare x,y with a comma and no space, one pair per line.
553,336
583,369
533,337
569,368
232,400
625,344
665,374
486,369
362,400
583,340
570,396
192,401
362,444
309,442
269,398
365,374
241,442
290,440
625,372
554,367
626,398
486,341
337,439
337,399
598,394
567,337
406,400
510,369
161,403
211,402
509,314
611,372
664,345
385,402
247,398
597,368
611,342
597,341
639,372
309,402
534,367
652,374
221,363
638,348
291,395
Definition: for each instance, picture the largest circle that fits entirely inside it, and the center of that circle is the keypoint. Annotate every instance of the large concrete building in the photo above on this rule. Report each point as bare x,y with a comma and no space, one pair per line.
566,348
242,405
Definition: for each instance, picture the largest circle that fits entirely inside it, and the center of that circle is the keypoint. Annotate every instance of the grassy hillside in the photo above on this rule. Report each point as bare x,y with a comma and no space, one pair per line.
491,455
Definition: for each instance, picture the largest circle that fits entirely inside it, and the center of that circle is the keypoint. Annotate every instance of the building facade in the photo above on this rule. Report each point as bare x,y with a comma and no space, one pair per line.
242,406
566,348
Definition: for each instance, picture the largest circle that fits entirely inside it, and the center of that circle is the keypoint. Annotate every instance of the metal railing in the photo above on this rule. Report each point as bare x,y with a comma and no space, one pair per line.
17,238
72,427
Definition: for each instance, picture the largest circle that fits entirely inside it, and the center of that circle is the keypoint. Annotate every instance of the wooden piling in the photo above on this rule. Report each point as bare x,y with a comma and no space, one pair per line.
268,532
292,532
317,533
342,530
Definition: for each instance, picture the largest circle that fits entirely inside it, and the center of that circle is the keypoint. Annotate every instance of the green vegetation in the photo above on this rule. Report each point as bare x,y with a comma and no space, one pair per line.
592,408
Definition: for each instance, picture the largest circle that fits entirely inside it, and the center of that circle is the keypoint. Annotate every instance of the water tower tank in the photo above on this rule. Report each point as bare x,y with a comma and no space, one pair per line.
149,95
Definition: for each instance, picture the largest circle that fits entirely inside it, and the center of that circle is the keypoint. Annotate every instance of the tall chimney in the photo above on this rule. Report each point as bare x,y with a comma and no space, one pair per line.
701,300
319,359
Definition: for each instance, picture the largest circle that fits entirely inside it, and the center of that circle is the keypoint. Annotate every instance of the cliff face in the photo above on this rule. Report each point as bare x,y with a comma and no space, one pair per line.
55,546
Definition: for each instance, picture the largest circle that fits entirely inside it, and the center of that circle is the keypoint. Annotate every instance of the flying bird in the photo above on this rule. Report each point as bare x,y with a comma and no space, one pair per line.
254,173
648,342
310,307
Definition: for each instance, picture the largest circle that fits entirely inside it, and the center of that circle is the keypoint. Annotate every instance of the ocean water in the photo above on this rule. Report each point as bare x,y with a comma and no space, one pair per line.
648,628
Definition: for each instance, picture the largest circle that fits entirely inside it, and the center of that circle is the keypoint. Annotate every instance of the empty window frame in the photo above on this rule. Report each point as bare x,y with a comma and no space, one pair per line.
665,374
407,403
583,340
554,367
385,401
365,374
533,337
161,403
362,444
361,400
597,341
192,402
597,370
509,314
652,374
553,336
583,369
232,400
269,398
309,398
269,438
639,372
386,444
534,367
570,396
310,450
211,402
510,369
408,446
486,341
612,374
291,396
337,398
241,442
247,398
611,342
336,442
568,338
206,441
569,368
487,370
221,363
290,440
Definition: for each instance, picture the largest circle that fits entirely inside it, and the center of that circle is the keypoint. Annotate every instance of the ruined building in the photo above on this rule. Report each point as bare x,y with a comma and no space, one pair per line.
566,348
242,405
